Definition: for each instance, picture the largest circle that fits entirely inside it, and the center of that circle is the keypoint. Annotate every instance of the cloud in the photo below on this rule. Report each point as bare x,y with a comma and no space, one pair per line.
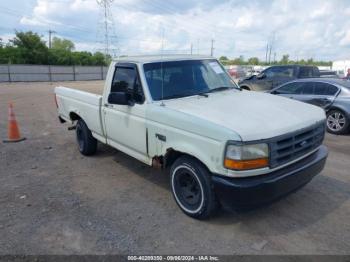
345,41
302,29
245,21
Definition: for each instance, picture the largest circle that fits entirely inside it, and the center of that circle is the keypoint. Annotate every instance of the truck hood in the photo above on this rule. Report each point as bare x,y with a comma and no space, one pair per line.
252,115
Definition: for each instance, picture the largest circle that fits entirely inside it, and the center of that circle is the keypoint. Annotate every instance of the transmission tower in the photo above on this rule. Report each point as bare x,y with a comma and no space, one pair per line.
106,34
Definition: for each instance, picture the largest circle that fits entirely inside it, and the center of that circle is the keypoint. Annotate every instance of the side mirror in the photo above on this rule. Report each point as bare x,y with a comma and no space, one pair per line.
261,76
120,98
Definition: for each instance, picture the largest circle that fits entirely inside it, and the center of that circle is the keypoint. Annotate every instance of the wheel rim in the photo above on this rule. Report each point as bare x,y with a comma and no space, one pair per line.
187,189
336,121
80,140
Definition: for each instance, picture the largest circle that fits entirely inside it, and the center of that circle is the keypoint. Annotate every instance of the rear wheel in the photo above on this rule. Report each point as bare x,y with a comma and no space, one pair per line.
87,144
337,122
192,189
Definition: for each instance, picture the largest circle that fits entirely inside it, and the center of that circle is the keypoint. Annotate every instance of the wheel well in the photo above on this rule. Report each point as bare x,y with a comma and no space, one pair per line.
245,87
335,108
74,116
172,155
339,109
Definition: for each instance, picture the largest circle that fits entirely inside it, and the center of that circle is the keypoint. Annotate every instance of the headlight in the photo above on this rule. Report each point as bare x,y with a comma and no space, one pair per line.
244,157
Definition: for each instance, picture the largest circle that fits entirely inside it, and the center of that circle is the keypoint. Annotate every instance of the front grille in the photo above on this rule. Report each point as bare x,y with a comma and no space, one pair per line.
294,145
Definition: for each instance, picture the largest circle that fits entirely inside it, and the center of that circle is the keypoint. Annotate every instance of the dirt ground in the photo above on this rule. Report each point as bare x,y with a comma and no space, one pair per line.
55,201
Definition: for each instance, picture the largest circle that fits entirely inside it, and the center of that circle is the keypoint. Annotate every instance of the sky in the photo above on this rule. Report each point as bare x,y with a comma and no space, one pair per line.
303,29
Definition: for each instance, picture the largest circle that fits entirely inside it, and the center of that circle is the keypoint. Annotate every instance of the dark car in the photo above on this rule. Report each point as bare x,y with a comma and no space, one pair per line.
333,95
328,74
277,75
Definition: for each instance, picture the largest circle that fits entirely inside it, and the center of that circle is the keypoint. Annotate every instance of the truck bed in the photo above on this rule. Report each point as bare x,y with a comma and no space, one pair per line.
74,103
95,87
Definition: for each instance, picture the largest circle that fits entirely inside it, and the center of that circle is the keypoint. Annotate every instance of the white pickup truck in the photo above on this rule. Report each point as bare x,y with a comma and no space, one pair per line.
222,144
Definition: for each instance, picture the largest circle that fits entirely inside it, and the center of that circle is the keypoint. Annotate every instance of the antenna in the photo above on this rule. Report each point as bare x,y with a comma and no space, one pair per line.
107,27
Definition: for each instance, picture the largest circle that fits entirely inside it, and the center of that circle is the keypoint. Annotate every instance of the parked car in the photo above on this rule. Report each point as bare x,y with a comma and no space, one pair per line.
333,95
277,75
185,113
328,74
236,72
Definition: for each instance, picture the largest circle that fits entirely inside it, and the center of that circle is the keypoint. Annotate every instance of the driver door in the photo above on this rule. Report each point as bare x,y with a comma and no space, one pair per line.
264,81
126,124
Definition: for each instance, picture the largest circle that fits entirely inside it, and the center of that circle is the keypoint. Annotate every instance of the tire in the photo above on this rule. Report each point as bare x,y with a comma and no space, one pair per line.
87,144
192,188
337,122
245,88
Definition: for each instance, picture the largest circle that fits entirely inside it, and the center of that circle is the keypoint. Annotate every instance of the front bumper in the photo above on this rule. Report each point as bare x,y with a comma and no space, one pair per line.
250,192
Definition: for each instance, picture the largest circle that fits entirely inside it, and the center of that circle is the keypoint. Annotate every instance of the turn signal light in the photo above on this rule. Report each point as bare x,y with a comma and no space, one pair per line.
246,164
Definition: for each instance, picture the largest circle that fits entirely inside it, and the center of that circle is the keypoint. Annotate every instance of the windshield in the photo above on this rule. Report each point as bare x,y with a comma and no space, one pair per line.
185,78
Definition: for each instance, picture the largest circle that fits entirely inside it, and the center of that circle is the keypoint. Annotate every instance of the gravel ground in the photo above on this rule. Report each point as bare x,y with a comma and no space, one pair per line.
55,201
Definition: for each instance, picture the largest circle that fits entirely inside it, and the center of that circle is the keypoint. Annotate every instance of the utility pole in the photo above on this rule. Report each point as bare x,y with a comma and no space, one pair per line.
274,57
50,33
267,50
191,48
270,54
272,45
198,46
212,47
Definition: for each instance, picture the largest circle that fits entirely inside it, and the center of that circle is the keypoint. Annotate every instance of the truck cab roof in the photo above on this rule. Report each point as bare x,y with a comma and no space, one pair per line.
159,58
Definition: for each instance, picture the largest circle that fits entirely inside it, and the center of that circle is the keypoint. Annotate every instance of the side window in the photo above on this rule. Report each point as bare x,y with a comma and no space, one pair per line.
283,71
325,89
291,88
270,72
308,88
306,71
126,80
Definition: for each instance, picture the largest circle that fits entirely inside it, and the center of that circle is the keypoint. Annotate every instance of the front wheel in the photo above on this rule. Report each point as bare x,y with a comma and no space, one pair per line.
86,142
192,188
337,122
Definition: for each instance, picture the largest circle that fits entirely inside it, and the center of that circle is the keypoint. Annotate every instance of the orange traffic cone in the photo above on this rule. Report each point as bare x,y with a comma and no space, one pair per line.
13,130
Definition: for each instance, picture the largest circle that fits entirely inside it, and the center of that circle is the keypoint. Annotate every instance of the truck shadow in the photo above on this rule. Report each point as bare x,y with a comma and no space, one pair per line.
301,209
322,196
153,175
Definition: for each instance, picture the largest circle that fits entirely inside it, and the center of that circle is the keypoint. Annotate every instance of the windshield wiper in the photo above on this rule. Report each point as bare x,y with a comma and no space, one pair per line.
220,88
185,95
177,96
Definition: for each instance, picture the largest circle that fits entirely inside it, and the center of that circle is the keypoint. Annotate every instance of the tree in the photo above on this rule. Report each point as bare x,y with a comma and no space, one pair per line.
82,58
32,49
253,61
223,58
238,61
310,61
99,59
284,60
62,44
